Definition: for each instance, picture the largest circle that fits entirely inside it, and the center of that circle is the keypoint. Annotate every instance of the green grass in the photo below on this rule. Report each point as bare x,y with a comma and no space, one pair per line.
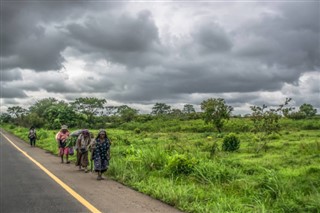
182,164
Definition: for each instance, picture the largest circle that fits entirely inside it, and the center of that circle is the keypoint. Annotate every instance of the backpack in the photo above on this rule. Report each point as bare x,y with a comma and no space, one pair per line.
32,133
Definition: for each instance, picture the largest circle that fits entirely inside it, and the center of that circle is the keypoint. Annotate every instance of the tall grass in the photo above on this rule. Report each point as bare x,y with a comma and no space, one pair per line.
182,164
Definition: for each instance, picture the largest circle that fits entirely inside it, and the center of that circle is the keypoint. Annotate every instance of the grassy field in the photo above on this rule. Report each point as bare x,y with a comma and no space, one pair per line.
182,164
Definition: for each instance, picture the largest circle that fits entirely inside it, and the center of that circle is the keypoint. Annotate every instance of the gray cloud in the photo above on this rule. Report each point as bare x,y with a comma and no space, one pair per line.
290,39
10,92
212,38
32,32
10,75
131,41
131,54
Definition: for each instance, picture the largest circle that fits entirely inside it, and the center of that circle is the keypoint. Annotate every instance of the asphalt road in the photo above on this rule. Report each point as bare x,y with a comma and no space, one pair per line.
24,187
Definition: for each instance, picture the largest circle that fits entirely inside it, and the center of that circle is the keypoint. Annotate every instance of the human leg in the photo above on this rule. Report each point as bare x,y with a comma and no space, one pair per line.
61,154
33,141
85,161
66,152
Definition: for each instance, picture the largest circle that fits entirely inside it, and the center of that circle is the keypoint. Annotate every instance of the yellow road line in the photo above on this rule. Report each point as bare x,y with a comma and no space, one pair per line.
55,178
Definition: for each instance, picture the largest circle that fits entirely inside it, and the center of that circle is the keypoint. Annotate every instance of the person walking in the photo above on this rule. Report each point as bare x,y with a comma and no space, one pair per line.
32,136
101,153
82,144
61,138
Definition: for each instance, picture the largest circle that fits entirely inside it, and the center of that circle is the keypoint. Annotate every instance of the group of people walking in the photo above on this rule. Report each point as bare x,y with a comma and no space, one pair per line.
83,142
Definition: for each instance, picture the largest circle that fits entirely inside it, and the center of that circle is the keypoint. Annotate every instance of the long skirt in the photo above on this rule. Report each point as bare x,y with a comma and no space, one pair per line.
82,159
100,165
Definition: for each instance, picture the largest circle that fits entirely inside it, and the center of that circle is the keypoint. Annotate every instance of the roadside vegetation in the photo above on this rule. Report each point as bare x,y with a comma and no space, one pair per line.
268,161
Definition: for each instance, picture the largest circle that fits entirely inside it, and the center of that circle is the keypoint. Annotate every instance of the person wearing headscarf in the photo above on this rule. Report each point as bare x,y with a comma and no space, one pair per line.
61,138
101,153
83,141
32,136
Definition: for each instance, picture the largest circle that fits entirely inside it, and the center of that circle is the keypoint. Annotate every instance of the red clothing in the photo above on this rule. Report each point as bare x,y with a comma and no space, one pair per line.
60,136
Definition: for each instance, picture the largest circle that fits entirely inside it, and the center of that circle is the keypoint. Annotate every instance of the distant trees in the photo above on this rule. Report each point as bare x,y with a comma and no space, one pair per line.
216,111
161,109
305,111
126,113
90,107
188,108
266,121
16,111
91,112
308,110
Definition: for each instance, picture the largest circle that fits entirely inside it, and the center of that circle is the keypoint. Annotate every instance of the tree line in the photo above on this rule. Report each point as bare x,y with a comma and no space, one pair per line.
91,112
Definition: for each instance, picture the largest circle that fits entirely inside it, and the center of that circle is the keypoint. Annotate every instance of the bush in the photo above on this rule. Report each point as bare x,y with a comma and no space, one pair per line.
137,130
181,164
231,143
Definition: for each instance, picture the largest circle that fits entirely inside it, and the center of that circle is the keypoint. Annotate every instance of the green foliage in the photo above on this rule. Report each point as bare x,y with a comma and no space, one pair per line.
266,121
59,114
5,118
216,111
16,111
308,110
126,113
181,164
137,130
161,109
90,107
32,119
297,115
231,143
201,178
188,109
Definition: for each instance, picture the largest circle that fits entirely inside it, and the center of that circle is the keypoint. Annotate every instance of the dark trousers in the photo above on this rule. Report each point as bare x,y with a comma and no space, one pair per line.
32,142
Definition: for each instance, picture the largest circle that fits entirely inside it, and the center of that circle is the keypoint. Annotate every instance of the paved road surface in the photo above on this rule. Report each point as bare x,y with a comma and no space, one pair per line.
26,188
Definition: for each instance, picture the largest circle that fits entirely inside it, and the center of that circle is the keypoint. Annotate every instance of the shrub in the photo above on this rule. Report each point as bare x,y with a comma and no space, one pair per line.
231,143
181,164
137,130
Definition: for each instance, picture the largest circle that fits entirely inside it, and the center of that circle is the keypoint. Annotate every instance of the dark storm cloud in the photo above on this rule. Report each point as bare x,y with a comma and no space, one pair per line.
131,41
212,38
212,57
26,44
32,32
290,39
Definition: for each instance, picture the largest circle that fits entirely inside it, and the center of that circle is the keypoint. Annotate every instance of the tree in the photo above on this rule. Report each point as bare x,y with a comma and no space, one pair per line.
308,110
176,113
111,110
42,105
266,122
5,118
16,111
90,107
216,112
60,113
161,109
32,119
126,113
188,109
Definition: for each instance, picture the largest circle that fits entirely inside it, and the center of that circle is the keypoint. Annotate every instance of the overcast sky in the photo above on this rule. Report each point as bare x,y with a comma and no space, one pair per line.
173,52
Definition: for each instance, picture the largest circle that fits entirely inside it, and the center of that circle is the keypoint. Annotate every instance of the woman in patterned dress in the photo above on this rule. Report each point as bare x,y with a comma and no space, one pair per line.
101,153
